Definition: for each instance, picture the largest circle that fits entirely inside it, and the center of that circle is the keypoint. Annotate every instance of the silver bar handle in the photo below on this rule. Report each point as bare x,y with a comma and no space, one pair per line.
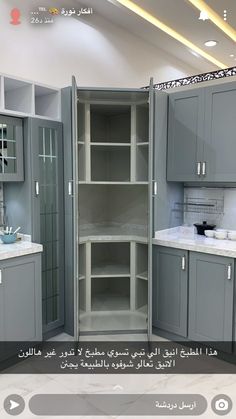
70,187
199,168
229,272
154,188
183,263
37,188
0,277
204,168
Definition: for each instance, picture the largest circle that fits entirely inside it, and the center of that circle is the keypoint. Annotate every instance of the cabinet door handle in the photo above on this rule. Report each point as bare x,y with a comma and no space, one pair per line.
154,188
203,168
229,272
183,263
70,187
0,277
199,168
37,188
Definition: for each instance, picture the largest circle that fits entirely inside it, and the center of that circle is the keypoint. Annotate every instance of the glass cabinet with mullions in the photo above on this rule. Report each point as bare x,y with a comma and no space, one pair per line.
11,149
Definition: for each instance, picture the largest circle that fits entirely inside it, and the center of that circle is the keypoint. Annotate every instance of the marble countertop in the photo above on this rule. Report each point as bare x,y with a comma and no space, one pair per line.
19,248
186,238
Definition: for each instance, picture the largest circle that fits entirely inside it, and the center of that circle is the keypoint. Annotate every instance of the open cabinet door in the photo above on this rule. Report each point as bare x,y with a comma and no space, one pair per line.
75,207
150,206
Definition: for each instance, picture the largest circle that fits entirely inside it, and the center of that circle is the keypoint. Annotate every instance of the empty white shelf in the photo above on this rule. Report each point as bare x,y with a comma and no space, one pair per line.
110,270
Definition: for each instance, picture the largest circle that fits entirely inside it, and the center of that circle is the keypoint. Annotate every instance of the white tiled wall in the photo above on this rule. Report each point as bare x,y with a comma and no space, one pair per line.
226,220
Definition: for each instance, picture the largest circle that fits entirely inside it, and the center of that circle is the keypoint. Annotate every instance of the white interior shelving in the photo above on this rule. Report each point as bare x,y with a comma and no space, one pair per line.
113,144
24,98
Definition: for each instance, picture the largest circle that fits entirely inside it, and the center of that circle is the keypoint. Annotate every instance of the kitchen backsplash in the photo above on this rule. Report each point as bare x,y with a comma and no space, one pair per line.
214,205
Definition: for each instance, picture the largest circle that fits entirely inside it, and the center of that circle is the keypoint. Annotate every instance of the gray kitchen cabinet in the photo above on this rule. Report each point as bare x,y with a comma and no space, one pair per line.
220,128
37,206
11,149
201,135
48,215
20,299
170,293
185,135
211,288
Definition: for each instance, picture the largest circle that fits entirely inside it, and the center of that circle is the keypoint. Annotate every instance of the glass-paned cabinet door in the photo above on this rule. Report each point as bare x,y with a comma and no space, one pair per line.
48,178
11,149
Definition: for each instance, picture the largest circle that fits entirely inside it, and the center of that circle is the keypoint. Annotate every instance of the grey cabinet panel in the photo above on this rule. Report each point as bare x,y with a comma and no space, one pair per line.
220,129
20,299
185,135
11,149
48,215
170,283
210,297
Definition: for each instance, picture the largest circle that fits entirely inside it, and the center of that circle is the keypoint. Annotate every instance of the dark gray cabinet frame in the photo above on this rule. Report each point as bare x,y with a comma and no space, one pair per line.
19,175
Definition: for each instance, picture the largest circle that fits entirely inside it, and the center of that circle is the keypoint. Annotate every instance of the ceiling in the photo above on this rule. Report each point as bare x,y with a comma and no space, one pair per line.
181,16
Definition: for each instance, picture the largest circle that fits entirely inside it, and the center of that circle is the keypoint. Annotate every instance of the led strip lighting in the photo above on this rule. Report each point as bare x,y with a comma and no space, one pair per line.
169,31
215,18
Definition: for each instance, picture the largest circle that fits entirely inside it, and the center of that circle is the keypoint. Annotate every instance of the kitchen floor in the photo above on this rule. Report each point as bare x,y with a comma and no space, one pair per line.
27,385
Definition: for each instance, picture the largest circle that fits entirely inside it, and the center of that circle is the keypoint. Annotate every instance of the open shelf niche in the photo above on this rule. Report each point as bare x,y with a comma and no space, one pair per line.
47,102
110,123
18,96
110,259
113,210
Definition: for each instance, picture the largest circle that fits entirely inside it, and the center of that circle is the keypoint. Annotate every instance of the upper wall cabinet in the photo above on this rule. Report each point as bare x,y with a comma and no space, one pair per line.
23,98
185,135
201,137
220,132
11,149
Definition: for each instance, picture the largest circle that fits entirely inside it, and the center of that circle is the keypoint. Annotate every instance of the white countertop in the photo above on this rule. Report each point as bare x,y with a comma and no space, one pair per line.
186,238
19,248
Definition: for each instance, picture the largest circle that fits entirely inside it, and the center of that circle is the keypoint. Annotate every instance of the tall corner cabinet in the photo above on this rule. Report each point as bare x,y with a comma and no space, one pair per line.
115,137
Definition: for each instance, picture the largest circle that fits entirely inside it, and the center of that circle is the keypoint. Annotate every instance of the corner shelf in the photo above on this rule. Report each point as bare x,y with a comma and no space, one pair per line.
110,270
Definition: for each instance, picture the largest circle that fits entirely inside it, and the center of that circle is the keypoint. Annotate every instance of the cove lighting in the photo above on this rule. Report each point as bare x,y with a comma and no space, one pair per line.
169,31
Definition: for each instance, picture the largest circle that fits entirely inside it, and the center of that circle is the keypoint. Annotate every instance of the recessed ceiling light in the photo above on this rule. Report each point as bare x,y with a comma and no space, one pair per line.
211,43
231,55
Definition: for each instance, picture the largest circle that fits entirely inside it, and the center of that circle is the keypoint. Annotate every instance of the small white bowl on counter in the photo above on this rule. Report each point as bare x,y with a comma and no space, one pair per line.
209,233
221,234
232,235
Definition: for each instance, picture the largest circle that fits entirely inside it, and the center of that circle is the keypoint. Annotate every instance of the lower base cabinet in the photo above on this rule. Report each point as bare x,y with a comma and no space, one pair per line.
20,299
193,295
211,294
170,290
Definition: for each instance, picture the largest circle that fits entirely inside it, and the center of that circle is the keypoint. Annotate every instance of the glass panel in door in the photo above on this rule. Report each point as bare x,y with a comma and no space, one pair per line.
49,227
